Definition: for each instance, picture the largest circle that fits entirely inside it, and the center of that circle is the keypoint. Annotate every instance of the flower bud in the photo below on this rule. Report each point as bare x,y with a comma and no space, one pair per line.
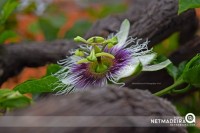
96,39
79,53
111,42
110,45
80,39
114,40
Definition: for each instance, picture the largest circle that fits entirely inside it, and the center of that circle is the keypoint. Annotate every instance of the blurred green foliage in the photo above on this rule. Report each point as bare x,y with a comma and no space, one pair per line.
6,35
106,10
80,28
6,8
167,46
50,25
189,104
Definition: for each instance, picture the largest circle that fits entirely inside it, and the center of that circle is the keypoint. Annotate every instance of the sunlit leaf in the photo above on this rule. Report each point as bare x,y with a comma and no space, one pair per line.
45,84
52,68
13,99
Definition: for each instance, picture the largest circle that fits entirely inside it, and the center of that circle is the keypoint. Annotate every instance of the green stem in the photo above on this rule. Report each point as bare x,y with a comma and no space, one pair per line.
188,87
169,89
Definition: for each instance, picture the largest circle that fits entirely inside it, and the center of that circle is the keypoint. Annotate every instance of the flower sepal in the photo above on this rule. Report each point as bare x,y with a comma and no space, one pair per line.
157,67
131,71
95,40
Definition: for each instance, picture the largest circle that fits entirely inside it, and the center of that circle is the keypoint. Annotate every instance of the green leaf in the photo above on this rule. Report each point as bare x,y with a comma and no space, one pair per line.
4,92
193,62
7,9
45,84
172,71
176,72
181,68
13,99
192,76
79,28
187,4
6,35
52,68
191,72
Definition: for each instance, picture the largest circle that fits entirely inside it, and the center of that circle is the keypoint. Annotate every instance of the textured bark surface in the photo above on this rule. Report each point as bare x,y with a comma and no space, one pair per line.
101,102
152,19
156,21
13,58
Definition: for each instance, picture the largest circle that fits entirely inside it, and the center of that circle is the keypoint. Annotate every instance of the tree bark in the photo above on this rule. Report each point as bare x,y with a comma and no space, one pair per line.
101,102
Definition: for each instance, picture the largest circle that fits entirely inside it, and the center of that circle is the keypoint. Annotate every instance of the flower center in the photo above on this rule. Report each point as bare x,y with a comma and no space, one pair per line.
101,66
96,58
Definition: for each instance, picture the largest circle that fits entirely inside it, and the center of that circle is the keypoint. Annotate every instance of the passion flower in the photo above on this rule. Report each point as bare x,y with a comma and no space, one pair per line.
99,61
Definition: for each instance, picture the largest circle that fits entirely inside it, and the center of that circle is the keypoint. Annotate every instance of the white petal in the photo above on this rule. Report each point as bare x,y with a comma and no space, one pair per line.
157,66
122,35
145,59
130,70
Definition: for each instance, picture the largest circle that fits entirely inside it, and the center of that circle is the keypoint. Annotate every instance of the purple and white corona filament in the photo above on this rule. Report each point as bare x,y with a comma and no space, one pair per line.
100,61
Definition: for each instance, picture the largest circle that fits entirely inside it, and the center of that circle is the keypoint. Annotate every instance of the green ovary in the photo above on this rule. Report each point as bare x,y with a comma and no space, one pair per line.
100,67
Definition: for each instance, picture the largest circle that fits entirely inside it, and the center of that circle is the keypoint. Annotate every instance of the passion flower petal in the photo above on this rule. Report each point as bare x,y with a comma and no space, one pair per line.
145,59
130,70
122,35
